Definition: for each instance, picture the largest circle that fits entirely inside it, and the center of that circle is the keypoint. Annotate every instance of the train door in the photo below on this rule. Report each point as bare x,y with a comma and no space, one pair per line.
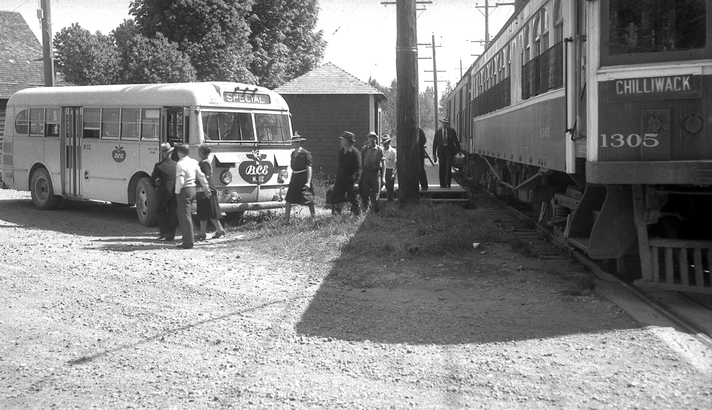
574,19
70,153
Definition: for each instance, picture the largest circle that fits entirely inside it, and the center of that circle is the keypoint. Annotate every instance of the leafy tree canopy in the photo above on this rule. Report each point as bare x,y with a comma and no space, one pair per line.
213,33
124,56
85,58
265,42
284,40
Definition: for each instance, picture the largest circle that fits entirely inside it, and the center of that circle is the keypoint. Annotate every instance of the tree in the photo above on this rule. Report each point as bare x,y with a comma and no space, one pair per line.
284,41
124,56
443,100
85,58
213,33
388,116
150,60
427,108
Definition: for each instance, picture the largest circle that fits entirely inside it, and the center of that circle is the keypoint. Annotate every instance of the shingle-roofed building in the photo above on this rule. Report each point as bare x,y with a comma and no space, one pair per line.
326,102
20,56
21,63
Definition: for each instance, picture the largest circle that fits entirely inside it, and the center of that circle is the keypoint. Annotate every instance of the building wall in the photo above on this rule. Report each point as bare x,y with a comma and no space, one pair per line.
321,119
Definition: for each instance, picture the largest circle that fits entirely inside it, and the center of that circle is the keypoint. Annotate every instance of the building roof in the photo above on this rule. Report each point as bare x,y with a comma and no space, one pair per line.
326,80
20,55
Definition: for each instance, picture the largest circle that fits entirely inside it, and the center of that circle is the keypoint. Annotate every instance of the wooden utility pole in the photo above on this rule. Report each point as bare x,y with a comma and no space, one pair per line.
486,13
45,14
409,161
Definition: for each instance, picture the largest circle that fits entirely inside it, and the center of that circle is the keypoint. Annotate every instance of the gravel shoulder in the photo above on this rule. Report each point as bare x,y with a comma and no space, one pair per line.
94,313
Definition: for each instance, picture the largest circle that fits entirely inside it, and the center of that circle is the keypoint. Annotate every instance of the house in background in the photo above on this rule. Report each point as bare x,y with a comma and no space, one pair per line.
21,63
20,59
324,103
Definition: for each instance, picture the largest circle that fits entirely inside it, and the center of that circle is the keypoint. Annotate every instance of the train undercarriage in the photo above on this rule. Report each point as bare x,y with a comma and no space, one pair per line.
653,235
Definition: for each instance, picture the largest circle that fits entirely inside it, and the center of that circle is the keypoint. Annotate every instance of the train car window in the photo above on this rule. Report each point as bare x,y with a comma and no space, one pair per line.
558,23
537,37
646,27
525,44
544,30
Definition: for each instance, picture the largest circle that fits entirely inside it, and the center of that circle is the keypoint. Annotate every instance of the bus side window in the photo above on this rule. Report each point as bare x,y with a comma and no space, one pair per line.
92,122
130,123
37,122
110,123
150,124
52,122
22,123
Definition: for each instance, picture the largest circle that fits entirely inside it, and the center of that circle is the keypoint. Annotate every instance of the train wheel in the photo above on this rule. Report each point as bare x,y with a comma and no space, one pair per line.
146,202
42,192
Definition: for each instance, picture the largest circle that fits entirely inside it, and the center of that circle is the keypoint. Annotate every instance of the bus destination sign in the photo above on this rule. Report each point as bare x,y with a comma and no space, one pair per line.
246,98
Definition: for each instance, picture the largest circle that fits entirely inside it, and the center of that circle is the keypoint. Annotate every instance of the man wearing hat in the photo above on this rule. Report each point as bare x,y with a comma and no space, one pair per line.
445,146
163,179
390,156
348,174
372,165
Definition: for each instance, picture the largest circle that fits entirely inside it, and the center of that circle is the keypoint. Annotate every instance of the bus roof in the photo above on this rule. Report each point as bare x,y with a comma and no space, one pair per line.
158,95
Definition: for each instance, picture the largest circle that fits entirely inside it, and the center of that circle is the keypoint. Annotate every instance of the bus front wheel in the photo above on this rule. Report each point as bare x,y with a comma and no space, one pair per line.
146,202
42,192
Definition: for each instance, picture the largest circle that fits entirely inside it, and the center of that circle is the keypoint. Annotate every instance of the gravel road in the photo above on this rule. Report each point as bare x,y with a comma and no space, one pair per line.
94,313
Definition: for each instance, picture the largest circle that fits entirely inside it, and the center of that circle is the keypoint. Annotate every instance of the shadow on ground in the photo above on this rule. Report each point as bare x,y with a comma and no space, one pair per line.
468,298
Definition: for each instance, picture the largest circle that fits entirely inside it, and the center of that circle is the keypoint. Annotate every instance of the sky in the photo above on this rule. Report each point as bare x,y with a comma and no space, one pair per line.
361,34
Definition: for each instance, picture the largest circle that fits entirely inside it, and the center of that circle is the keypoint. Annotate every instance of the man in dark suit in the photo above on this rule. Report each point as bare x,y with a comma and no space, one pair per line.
445,146
348,174
163,178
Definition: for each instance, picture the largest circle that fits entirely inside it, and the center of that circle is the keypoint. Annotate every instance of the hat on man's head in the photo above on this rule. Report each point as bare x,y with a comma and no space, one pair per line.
372,135
166,147
296,137
445,120
348,136
386,138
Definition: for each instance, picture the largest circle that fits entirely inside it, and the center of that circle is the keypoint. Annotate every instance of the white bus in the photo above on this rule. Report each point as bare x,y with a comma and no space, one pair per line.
101,142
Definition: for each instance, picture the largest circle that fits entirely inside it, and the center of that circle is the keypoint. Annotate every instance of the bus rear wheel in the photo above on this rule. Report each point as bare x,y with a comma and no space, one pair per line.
146,202
42,192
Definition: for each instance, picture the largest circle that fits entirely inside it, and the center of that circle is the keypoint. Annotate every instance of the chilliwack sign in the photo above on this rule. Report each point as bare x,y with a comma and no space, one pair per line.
674,86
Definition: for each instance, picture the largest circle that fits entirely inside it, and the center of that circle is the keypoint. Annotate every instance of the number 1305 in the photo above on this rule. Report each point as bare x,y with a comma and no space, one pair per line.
632,141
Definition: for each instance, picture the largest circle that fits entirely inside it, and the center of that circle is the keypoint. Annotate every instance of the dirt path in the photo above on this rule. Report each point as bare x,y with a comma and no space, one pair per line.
95,314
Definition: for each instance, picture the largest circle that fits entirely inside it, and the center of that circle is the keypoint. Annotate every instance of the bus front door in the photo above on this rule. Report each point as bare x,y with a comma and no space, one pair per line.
71,152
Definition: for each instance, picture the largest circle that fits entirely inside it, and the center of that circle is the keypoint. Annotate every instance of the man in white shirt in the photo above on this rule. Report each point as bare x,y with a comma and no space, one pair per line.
187,171
390,155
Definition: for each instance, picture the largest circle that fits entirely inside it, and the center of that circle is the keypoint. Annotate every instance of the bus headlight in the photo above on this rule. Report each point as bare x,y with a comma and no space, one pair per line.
226,177
283,175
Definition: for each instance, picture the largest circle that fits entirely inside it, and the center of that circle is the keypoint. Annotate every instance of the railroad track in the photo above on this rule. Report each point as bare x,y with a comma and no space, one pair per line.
542,244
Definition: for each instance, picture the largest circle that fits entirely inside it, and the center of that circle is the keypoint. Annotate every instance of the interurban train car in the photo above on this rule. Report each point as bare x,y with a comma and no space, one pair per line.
599,115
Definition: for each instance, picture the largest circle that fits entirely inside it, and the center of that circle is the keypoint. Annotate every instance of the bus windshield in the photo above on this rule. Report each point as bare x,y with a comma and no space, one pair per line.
653,26
245,126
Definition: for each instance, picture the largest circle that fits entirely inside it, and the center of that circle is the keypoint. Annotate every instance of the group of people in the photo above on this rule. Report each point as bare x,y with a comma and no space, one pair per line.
179,180
366,171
